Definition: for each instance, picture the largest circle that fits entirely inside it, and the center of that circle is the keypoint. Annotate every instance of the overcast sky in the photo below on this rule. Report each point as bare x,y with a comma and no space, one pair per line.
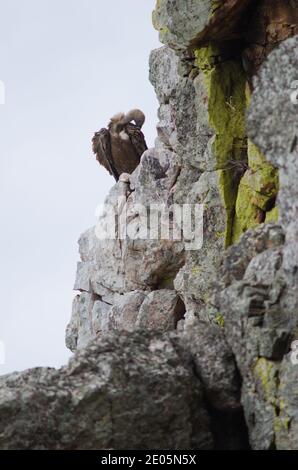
67,65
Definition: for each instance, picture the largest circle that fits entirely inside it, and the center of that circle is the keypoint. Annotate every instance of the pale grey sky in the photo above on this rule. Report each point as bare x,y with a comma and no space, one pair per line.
67,65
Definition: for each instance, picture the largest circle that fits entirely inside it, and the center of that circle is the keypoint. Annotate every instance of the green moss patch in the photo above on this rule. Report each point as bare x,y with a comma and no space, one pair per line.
225,83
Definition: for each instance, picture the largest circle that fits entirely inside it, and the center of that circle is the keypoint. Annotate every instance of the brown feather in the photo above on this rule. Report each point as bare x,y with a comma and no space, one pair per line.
101,146
127,151
137,139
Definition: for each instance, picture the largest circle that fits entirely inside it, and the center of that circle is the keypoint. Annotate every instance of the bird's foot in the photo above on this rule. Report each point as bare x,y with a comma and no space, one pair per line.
124,178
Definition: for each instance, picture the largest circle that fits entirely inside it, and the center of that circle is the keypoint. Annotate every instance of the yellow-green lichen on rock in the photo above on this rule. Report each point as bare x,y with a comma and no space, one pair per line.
265,373
282,420
219,320
257,192
248,191
225,83
247,215
272,216
247,200
263,178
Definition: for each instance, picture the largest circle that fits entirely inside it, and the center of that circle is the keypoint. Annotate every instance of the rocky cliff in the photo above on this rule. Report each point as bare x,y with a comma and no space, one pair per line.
179,346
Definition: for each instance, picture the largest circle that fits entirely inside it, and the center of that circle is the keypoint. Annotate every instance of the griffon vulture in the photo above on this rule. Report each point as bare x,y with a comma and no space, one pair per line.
119,147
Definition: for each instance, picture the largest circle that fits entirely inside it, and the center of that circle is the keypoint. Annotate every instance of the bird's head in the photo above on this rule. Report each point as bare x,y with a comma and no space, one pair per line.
135,115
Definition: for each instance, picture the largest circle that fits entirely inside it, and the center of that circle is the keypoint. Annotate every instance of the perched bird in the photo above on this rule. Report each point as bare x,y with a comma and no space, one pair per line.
119,147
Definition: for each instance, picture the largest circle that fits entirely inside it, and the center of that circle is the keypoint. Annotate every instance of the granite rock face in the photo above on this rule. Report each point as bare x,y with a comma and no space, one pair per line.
214,364
182,339
272,122
128,391
183,24
259,284
233,299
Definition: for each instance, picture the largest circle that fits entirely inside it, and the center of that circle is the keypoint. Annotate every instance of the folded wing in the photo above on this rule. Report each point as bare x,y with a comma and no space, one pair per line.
137,139
101,146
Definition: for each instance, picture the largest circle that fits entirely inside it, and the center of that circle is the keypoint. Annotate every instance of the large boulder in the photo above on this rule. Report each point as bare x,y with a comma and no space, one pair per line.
184,24
127,391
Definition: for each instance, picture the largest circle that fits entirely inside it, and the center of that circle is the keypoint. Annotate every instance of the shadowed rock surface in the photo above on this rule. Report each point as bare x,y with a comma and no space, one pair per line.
134,391
259,279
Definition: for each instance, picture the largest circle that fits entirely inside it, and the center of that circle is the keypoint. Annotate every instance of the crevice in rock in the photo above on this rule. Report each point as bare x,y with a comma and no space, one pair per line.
180,311
228,425
229,430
